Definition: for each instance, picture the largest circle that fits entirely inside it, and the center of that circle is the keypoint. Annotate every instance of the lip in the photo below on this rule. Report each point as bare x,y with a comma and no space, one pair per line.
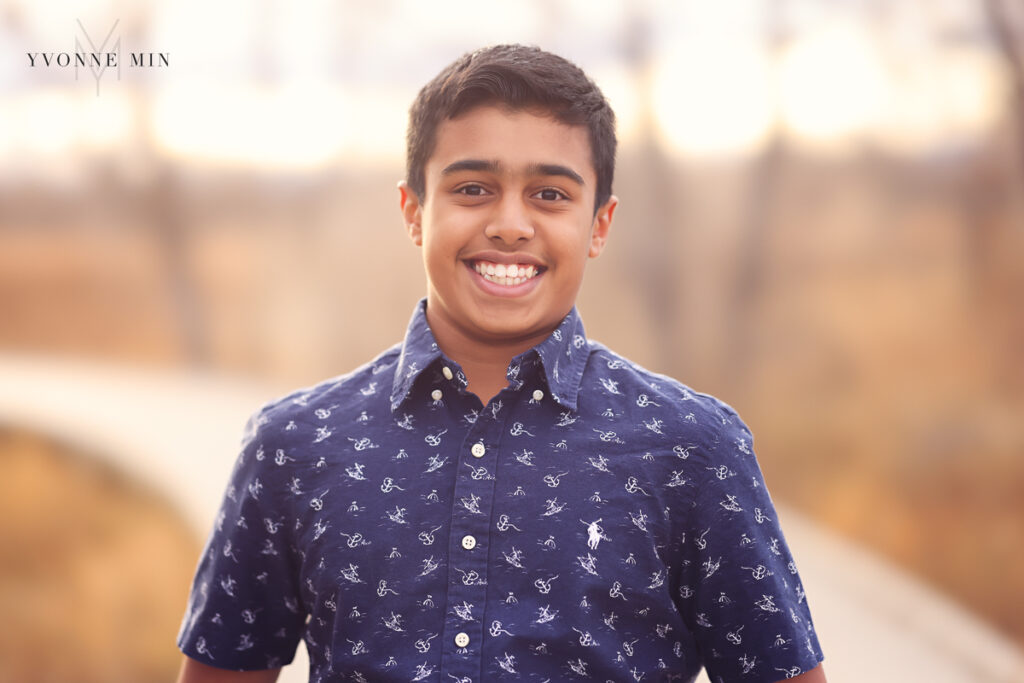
505,291
505,258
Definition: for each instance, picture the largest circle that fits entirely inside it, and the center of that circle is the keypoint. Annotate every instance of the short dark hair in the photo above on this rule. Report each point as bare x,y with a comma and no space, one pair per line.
517,77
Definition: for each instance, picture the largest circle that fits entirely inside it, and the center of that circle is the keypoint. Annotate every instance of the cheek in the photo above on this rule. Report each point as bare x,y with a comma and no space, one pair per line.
436,242
577,249
440,251
446,236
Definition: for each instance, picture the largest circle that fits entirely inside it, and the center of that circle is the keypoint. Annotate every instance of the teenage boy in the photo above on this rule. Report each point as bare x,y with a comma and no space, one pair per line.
498,497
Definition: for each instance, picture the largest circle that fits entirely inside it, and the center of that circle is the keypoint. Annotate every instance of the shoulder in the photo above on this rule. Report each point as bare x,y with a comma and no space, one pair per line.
690,416
606,367
361,389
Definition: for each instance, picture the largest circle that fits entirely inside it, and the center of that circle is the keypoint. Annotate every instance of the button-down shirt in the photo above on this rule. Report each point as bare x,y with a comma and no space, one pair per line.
594,520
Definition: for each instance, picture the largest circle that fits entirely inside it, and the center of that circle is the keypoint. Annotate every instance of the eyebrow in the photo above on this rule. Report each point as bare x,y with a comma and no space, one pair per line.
491,166
556,169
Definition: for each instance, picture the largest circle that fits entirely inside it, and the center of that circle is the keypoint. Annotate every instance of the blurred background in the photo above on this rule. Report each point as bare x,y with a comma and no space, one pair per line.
821,222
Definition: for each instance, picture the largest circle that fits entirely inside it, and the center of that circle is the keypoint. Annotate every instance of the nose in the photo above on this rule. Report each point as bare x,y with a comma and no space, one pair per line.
510,222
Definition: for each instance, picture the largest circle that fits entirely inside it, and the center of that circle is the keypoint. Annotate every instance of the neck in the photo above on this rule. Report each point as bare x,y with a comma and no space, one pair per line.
483,361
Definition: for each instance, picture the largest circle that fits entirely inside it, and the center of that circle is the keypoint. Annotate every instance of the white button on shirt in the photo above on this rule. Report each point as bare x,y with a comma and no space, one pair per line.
436,394
447,372
537,394
478,450
462,640
468,542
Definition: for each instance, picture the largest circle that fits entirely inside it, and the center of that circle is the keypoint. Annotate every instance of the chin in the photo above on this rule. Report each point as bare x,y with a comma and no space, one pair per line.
507,332
510,330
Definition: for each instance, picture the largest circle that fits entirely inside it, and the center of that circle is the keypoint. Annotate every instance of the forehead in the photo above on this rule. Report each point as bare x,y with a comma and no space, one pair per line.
517,140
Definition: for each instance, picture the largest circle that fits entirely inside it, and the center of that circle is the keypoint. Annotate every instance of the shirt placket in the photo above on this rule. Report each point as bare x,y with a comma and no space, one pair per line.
469,547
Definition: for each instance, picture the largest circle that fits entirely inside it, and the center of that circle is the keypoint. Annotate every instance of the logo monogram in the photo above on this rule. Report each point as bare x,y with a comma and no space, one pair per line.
96,66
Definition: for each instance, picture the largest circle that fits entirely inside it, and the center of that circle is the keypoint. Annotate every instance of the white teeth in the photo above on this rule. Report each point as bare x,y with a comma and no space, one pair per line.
505,275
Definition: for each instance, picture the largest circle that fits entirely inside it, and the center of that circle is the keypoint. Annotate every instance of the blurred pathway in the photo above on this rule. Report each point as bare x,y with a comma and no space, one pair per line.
179,434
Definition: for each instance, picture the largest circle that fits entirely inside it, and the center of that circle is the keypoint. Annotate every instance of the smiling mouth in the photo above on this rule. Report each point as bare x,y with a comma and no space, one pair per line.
506,275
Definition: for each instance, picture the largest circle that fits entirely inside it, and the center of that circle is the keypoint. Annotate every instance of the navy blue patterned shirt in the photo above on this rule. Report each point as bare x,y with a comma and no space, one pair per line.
593,521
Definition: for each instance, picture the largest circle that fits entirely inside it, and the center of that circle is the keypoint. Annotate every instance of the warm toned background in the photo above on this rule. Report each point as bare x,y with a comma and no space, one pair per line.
822,222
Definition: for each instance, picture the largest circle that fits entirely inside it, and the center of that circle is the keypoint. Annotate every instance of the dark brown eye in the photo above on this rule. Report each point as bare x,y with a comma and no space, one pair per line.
551,195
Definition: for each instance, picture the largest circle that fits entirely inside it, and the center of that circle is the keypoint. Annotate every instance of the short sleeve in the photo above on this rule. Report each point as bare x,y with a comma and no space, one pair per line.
244,612
741,595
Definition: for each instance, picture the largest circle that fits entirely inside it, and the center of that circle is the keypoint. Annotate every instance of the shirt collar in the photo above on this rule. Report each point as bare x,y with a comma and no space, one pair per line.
563,356
419,350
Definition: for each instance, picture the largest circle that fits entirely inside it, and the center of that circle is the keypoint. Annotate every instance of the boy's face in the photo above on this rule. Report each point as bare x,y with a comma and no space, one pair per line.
506,224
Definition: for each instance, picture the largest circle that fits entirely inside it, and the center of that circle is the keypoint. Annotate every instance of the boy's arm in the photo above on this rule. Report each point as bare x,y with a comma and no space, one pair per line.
815,675
197,672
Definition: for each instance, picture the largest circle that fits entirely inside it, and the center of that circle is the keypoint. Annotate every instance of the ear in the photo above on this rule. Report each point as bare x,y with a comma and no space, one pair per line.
412,212
602,223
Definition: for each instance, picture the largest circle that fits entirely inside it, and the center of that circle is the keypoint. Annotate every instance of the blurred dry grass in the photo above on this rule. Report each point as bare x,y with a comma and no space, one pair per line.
93,571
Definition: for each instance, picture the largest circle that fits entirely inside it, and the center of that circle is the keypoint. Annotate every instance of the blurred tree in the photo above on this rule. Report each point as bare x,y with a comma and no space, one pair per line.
1007,39
161,208
766,178
657,194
